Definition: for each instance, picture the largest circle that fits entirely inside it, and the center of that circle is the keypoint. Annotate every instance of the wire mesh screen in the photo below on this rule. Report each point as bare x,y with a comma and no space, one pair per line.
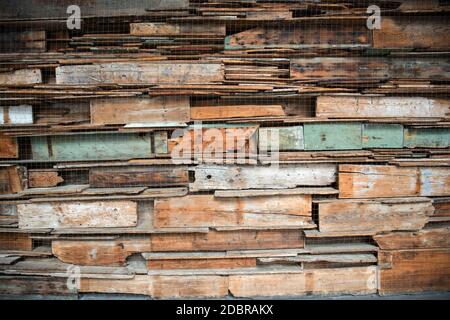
224,148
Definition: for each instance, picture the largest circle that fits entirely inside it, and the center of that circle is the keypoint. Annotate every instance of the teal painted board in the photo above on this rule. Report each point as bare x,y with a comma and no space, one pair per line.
426,137
332,136
288,138
98,146
381,135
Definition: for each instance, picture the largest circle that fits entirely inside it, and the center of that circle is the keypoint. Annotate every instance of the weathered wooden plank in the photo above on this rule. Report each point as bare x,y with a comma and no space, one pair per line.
376,181
98,146
236,111
21,77
43,179
138,176
87,214
414,270
302,36
159,286
140,110
380,135
15,241
381,107
17,285
274,192
422,239
201,263
140,73
176,29
332,136
22,114
12,179
213,177
434,181
25,41
422,32
349,259
160,139
358,280
374,215
228,240
9,149
212,141
427,137
208,211
99,253
366,68
281,138
40,9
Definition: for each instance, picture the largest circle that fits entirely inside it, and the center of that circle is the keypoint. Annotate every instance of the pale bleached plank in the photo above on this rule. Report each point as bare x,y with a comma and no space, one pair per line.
21,77
381,107
87,214
213,177
22,114
140,73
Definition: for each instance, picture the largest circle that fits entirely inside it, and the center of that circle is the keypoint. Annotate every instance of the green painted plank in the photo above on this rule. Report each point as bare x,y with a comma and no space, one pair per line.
381,135
100,146
332,136
289,138
426,137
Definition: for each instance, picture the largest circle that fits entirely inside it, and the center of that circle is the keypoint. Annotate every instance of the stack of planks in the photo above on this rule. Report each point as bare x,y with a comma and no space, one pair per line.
108,183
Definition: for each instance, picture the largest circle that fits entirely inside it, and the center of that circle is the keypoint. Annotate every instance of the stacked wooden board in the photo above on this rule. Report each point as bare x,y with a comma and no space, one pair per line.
115,177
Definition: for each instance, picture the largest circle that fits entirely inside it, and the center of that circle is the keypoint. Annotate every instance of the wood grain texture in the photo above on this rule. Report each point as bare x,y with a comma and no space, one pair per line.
214,140
358,280
21,77
15,241
228,240
208,211
87,214
364,68
43,179
239,111
414,270
176,29
434,181
138,176
211,177
201,263
13,179
160,286
422,239
99,253
9,149
372,181
140,110
424,32
140,73
303,36
374,216
38,9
